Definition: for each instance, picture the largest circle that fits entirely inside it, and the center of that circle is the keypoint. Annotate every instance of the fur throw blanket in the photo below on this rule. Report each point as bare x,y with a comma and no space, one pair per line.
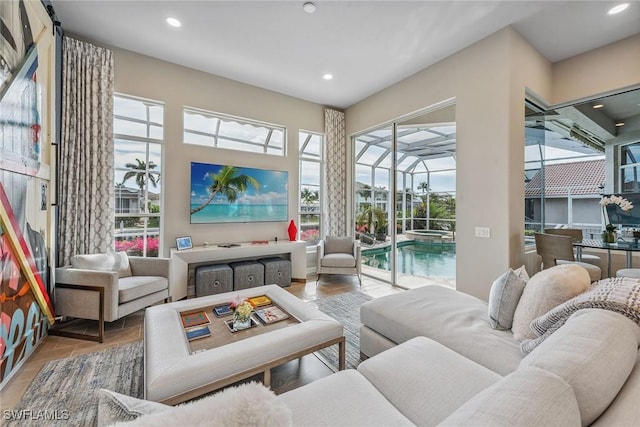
619,294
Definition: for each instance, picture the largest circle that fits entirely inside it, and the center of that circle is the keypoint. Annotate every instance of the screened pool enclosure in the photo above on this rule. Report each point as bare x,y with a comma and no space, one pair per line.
417,158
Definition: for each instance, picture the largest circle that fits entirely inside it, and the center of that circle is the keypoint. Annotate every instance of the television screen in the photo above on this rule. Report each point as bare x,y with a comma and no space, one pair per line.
224,193
618,217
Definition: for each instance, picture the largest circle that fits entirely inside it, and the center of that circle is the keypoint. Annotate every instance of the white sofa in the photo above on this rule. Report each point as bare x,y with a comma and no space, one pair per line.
595,352
586,373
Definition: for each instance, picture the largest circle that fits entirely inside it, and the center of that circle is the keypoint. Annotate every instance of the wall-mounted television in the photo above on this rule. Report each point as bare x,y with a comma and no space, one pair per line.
226,193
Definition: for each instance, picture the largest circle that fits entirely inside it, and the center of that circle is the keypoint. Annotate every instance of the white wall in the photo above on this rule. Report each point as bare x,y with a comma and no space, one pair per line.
178,86
488,81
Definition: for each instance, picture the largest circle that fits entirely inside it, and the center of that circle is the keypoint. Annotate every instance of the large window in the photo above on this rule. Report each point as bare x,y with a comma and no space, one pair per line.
138,137
233,133
564,172
311,150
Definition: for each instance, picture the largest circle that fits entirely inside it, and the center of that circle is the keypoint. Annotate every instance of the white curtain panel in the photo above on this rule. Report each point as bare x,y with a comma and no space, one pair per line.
335,134
85,182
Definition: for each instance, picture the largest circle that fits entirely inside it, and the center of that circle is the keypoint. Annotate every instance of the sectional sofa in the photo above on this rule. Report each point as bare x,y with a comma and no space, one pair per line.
436,361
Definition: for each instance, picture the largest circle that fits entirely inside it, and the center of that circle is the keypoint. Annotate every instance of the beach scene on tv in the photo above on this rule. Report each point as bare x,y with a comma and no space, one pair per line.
225,193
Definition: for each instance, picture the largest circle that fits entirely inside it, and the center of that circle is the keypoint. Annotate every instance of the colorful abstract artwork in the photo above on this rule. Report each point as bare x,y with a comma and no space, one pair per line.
25,305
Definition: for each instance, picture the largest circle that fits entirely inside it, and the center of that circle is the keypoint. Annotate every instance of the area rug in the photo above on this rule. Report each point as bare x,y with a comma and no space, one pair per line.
64,393
345,308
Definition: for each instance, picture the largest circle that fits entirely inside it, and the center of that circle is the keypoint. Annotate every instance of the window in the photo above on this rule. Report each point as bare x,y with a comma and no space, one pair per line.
311,174
138,137
233,133
564,173
630,168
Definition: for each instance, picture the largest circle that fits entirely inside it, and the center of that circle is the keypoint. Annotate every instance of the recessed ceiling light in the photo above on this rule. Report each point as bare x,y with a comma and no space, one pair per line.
598,106
327,76
309,7
617,9
174,22
620,124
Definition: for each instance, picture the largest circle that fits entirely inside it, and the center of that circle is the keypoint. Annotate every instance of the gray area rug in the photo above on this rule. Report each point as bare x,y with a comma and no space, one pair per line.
65,390
345,308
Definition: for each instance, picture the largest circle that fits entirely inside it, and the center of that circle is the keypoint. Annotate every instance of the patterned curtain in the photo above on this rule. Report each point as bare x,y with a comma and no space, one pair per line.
335,140
85,179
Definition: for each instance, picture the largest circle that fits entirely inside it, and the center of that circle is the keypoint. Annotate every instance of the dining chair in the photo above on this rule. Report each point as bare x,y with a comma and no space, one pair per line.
555,249
576,236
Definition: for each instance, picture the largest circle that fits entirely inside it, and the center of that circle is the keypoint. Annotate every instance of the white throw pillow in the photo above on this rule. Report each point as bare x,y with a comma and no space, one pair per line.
544,291
122,264
250,404
112,261
504,297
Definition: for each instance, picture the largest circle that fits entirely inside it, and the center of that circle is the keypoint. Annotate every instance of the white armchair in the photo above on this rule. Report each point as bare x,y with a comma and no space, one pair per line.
106,287
338,255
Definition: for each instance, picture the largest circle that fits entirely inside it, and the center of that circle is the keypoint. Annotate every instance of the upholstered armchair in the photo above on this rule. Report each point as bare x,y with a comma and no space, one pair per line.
338,255
106,287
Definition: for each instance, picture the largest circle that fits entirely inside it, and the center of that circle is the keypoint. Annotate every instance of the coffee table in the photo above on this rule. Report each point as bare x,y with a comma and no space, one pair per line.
176,369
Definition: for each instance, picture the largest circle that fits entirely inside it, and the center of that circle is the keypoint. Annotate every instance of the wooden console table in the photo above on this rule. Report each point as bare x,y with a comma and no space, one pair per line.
180,260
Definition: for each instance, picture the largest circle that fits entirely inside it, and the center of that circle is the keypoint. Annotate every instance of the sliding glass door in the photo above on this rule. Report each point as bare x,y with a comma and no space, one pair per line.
408,233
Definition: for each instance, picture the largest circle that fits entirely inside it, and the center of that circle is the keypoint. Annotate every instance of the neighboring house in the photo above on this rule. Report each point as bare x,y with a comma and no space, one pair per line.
380,198
572,193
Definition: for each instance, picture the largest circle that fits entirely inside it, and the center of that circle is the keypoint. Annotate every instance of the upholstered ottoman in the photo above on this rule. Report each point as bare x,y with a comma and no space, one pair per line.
276,271
213,279
175,372
247,274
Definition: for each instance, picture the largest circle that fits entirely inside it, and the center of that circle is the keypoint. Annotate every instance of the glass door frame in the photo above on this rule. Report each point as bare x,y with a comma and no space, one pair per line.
393,171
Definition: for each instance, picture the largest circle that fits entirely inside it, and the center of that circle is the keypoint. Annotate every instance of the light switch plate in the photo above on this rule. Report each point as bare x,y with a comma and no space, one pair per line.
483,232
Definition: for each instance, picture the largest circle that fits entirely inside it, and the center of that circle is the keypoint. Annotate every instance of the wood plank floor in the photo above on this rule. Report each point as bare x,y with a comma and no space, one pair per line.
130,329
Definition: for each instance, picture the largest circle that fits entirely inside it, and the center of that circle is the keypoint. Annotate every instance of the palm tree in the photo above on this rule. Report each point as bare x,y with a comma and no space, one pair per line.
365,193
423,186
309,196
140,173
229,183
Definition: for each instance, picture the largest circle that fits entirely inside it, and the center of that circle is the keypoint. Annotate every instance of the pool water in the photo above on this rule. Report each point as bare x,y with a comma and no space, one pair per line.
415,258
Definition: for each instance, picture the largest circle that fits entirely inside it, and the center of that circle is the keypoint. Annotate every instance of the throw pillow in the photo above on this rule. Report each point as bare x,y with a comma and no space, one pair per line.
544,291
250,404
338,245
111,261
122,263
504,297
101,262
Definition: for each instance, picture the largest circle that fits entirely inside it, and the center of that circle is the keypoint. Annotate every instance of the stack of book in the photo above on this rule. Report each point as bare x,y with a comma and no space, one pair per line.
195,325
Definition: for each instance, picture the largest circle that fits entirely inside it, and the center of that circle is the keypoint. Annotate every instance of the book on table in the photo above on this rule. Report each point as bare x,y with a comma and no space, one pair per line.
260,301
222,310
194,319
271,314
198,332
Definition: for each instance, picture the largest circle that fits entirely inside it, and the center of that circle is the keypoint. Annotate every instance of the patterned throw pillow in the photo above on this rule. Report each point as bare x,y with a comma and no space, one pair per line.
504,297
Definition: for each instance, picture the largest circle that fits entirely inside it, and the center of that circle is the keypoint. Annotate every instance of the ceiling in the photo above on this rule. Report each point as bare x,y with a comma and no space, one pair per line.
366,45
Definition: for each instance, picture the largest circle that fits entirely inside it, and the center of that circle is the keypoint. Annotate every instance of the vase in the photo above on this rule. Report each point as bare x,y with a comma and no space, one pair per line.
609,237
240,323
293,231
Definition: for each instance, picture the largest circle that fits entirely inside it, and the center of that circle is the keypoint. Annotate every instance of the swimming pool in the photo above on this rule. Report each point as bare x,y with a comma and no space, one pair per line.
415,258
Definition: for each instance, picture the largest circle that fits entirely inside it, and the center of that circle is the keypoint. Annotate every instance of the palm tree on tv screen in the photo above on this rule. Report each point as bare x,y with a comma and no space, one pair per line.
228,182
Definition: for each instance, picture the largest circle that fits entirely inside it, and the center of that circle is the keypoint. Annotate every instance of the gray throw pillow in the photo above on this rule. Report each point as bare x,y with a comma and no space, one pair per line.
504,297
